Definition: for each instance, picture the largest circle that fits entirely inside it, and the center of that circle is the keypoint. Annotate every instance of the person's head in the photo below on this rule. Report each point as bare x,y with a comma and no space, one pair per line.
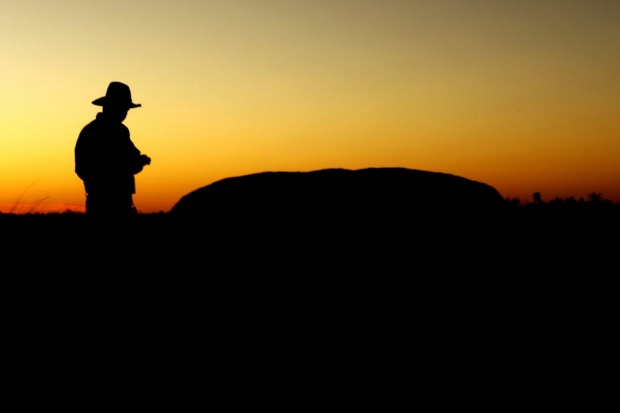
115,113
117,101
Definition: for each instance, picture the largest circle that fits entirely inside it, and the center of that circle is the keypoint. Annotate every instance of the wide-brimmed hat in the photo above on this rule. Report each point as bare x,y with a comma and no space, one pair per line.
118,94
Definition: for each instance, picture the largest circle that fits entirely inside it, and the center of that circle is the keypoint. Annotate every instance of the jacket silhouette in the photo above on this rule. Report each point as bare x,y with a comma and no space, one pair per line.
106,159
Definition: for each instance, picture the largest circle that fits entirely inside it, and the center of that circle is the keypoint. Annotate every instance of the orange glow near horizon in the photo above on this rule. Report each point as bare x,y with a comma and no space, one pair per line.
520,94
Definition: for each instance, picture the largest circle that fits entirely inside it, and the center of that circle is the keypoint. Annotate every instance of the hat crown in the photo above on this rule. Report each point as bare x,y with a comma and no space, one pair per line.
117,94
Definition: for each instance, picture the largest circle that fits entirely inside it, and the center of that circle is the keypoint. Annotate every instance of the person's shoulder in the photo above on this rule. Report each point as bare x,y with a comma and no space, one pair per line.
90,125
93,123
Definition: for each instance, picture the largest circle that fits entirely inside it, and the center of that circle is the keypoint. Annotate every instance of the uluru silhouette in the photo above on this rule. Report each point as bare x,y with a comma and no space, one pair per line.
336,194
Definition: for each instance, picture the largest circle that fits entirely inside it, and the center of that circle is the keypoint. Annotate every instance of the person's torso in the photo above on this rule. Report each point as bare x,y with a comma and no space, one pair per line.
105,155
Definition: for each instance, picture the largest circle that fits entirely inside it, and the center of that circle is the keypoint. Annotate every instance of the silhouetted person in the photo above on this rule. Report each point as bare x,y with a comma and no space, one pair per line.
106,159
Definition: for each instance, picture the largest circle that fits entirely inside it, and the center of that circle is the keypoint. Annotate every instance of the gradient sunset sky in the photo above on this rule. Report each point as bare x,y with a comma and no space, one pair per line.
523,95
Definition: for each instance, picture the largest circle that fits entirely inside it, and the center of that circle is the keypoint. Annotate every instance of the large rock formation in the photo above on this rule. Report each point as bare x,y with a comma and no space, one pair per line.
332,197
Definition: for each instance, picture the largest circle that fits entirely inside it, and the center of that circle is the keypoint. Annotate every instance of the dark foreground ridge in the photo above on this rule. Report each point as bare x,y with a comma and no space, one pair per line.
333,221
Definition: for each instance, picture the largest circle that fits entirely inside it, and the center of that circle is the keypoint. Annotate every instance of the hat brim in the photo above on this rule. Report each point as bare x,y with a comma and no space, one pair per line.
103,101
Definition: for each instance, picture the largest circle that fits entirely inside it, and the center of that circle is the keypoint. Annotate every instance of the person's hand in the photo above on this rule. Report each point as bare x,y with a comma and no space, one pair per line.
145,160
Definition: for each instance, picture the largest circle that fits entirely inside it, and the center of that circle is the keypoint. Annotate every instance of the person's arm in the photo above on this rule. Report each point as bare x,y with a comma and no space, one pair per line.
139,160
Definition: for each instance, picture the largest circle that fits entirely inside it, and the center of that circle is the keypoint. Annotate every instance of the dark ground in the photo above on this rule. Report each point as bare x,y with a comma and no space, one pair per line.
517,300
518,241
